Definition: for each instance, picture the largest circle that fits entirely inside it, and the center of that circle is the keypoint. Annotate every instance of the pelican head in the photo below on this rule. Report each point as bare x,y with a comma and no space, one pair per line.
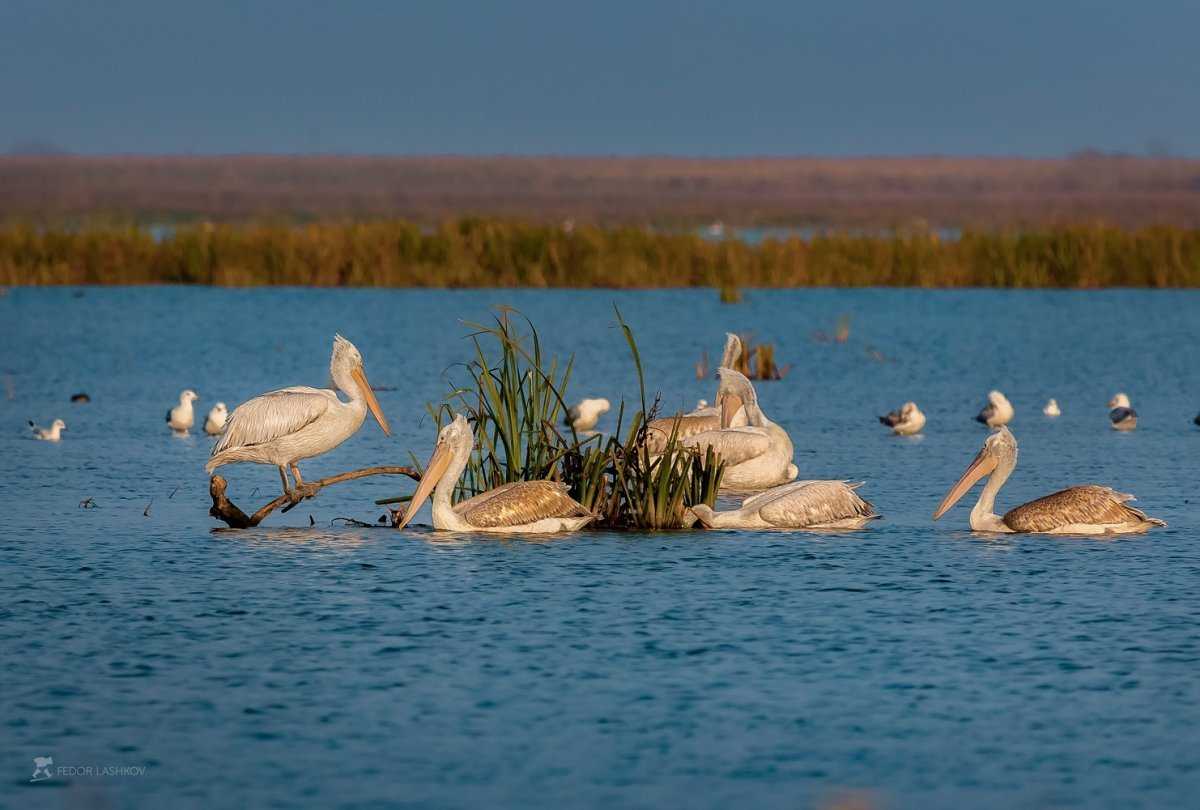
1119,401
734,392
187,395
999,452
454,443
733,350
346,369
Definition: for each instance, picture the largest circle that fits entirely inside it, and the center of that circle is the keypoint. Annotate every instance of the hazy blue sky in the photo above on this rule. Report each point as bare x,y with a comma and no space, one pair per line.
1029,77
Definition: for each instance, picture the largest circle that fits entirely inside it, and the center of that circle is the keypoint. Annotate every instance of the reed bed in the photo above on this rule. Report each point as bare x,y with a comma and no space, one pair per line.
515,397
475,252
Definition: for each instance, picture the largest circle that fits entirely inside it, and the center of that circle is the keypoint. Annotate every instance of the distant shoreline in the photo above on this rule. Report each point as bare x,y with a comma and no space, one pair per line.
861,193
502,253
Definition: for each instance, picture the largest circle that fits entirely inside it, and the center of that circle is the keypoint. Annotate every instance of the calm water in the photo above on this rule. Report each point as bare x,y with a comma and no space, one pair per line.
342,667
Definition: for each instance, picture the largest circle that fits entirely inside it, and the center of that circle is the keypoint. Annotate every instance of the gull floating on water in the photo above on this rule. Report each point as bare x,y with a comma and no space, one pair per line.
1052,408
50,434
181,418
998,411
798,505
1089,509
521,507
905,420
214,423
1122,416
291,424
585,415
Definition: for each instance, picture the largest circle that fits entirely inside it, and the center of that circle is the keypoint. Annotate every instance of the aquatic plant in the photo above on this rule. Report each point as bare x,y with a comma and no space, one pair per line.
505,253
514,397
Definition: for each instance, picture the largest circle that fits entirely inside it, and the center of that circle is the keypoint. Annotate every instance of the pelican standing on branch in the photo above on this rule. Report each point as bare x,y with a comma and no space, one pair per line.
291,424
906,420
998,411
757,455
798,505
521,507
1088,509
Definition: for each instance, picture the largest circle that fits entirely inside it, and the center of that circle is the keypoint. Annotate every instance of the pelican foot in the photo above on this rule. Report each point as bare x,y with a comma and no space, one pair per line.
302,491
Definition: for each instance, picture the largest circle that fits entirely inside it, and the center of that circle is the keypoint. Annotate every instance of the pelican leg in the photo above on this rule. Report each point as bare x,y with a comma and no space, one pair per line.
302,490
287,490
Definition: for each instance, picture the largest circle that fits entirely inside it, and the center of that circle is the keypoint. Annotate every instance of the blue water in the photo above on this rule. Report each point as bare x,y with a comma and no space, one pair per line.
913,664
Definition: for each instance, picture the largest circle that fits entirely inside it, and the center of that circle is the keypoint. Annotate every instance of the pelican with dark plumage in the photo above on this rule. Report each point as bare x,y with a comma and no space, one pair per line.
286,426
1121,415
1088,509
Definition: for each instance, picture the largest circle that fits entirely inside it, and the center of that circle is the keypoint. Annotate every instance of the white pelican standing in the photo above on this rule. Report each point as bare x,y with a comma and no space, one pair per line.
584,416
1088,509
181,418
1122,415
704,416
758,454
905,420
998,411
798,505
50,434
291,424
214,424
522,507
1052,408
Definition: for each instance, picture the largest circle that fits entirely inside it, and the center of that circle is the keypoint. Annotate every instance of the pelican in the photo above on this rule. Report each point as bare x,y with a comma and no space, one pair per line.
214,423
906,420
798,505
1052,408
704,416
584,416
1122,415
521,507
181,418
50,434
757,455
285,426
1089,509
998,411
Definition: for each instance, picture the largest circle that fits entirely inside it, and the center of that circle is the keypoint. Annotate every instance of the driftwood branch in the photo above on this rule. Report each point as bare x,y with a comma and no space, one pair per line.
227,511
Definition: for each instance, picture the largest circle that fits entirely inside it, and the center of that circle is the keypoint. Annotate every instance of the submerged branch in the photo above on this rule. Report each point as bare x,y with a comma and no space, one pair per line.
227,511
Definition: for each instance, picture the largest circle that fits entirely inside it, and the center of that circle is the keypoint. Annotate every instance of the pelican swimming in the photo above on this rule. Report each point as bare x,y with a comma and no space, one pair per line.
1122,415
214,423
584,416
798,505
905,420
291,424
50,434
521,507
1052,408
1089,509
998,411
704,416
758,454
181,418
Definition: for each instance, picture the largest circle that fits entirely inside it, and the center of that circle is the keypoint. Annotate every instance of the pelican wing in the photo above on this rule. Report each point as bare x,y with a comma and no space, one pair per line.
658,431
733,445
274,415
775,492
1087,505
519,503
815,503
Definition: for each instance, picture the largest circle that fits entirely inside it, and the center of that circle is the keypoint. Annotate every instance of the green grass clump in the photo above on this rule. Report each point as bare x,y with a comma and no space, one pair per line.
478,252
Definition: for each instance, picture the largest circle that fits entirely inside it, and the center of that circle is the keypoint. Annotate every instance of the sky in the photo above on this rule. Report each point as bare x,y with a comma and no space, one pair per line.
733,78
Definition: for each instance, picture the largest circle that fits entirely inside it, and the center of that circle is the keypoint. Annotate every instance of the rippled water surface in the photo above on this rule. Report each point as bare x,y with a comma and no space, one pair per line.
913,664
